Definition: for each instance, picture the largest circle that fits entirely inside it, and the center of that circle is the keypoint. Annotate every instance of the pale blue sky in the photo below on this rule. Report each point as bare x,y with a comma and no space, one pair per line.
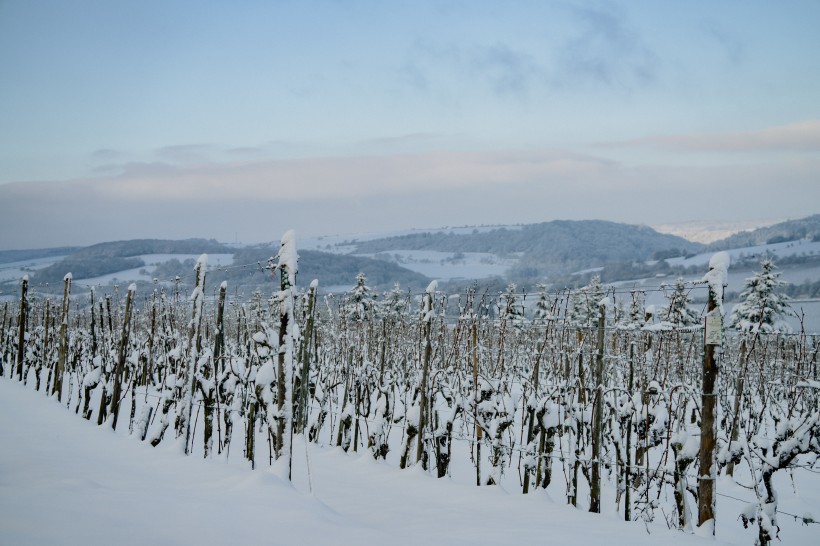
508,111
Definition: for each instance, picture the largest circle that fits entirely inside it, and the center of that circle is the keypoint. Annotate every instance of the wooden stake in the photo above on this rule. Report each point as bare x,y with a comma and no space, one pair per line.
63,347
115,397
598,415
21,327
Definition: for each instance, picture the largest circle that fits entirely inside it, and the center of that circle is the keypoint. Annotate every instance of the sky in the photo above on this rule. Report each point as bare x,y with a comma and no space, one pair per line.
238,121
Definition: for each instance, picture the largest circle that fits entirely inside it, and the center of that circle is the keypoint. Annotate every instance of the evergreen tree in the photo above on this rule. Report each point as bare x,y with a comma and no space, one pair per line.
677,312
762,308
510,308
583,309
359,300
543,307
393,305
635,317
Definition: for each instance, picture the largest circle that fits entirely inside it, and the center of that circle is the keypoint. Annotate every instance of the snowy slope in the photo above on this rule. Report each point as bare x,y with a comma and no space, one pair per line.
775,250
709,232
65,481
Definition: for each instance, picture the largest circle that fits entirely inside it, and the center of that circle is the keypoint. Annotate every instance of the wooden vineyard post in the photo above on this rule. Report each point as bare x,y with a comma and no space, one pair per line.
194,349
597,414
57,386
121,355
428,348
21,327
713,336
4,339
211,370
304,390
730,468
532,417
628,465
478,430
281,379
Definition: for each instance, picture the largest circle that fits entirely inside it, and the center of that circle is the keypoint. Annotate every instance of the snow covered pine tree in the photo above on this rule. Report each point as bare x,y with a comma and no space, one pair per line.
762,308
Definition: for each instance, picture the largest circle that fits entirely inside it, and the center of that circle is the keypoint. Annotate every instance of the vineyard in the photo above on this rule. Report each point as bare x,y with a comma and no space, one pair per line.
579,392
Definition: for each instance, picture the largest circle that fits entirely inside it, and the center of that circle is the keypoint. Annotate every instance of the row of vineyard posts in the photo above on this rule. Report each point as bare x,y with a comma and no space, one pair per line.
606,404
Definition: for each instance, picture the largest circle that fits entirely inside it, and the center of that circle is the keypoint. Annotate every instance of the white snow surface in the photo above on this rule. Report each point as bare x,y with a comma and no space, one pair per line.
711,231
14,271
63,480
775,250
448,265
146,272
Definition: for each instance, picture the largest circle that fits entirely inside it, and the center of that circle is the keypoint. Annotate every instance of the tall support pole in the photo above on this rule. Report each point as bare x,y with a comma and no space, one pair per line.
477,400
713,337
628,462
428,312
598,414
304,390
121,356
63,347
21,327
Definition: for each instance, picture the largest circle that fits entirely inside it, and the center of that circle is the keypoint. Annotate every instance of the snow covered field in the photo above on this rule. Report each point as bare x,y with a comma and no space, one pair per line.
66,481
145,273
445,266
774,250
14,271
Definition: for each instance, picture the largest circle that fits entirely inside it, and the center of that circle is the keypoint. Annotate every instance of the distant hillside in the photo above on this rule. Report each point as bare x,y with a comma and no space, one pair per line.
550,248
137,247
332,270
555,251
9,256
106,258
804,228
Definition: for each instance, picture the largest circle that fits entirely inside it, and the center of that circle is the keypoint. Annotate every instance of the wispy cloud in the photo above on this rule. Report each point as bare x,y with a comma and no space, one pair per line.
187,153
107,154
400,140
335,177
732,47
803,136
606,50
329,195
507,70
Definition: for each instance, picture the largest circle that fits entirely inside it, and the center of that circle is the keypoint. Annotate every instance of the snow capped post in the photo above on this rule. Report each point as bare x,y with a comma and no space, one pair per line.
288,331
57,386
194,346
713,336
305,354
126,320
426,317
21,327
598,410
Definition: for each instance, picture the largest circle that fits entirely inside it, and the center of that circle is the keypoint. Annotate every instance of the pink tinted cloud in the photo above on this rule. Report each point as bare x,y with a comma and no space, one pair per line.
803,136
333,177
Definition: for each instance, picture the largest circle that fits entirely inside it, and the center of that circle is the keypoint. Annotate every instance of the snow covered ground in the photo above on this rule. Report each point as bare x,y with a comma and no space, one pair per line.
14,271
775,250
65,481
709,232
145,273
449,265
345,242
